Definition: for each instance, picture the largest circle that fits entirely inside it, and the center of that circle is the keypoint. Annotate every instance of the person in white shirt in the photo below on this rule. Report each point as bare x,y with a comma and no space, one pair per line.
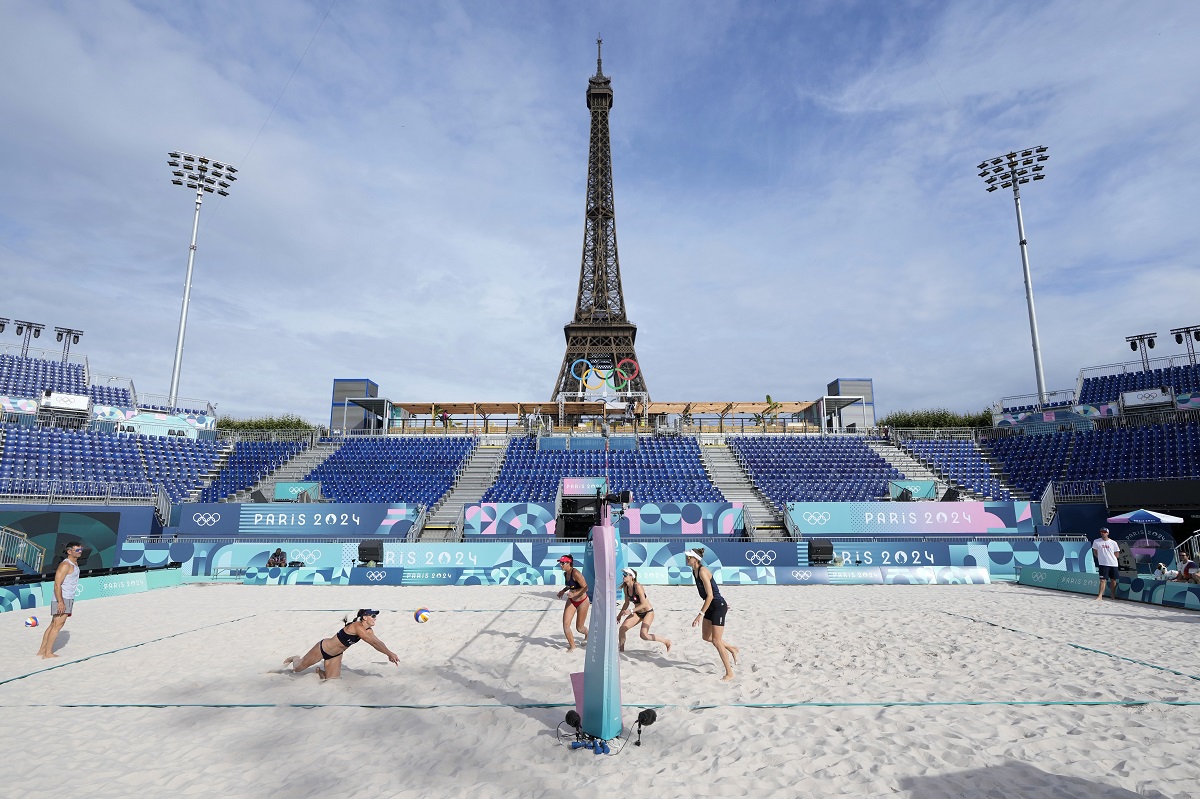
1189,570
66,582
1105,550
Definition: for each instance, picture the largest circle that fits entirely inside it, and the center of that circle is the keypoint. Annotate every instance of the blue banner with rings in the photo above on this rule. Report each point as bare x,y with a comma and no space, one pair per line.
328,519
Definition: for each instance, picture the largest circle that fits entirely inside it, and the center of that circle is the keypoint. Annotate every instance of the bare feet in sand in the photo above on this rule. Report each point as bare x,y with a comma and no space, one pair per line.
727,677
733,653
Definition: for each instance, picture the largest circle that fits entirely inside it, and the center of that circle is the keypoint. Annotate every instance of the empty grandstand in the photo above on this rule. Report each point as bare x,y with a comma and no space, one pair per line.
417,469
814,468
661,469
960,460
249,462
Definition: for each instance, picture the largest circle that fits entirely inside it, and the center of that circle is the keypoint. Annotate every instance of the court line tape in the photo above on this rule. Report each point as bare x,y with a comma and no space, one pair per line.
1076,646
122,649
551,705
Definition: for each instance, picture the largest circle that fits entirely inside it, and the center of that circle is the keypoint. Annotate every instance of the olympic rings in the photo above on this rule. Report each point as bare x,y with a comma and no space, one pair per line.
309,556
760,557
820,517
375,576
617,379
798,574
206,519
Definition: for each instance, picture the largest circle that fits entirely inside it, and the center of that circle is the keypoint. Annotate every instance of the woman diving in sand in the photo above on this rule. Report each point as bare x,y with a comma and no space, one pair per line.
330,650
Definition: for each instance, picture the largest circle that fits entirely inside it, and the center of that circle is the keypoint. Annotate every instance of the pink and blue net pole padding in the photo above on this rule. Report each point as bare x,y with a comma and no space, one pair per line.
602,669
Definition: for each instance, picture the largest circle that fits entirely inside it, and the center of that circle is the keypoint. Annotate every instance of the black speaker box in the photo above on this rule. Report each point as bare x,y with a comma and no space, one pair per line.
370,551
951,495
820,550
258,496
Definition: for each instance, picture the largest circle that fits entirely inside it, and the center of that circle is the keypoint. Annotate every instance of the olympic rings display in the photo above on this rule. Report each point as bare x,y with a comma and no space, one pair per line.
617,379
760,557
309,556
821,517
206,519
376,576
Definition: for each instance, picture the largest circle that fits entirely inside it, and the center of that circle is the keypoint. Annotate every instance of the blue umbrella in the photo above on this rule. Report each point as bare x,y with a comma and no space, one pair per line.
1144,517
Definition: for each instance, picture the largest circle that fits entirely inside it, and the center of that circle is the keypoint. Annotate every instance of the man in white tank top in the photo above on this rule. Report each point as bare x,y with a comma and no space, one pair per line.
66,580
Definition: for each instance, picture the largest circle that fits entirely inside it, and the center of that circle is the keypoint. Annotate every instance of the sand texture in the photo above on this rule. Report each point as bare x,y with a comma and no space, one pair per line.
180,692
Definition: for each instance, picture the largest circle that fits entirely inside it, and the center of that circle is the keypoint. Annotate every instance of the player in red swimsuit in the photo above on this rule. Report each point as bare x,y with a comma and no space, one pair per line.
577,599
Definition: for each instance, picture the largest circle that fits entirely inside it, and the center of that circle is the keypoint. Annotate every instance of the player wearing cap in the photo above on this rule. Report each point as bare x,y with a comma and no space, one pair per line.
637,607
577,599
712,613
330,650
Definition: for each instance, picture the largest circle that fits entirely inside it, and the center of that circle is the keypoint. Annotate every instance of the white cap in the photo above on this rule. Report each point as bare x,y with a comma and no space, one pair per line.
694,553
628,572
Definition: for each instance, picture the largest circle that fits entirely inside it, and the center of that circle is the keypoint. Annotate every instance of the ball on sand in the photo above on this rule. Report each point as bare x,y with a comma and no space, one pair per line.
421,615
31,621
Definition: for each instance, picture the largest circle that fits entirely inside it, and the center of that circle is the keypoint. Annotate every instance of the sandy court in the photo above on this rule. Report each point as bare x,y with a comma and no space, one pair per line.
180,692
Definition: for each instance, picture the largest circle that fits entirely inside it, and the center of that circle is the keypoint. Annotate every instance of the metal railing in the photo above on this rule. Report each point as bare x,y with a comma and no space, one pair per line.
1057,398
17,550
306,436
932,433
1077,491
1047,504
77,359
1133,367
76,491
1191,546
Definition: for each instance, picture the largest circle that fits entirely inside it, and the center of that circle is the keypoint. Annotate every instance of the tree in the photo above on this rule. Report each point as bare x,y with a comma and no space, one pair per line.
287,421
936,418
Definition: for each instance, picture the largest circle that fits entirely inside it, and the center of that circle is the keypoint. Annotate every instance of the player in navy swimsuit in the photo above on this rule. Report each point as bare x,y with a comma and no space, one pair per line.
330,650
577,599
712,613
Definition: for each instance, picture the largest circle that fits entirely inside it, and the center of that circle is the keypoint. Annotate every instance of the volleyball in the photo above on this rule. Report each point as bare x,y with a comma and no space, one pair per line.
421,615
31,621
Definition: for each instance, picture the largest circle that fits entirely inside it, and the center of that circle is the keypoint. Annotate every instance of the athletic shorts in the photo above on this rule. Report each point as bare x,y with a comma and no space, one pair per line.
716,612
1108,572
67,608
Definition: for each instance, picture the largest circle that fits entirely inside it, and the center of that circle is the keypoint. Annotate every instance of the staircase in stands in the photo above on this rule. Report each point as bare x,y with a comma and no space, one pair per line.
915,469
477,476
206,480
727,474
293,471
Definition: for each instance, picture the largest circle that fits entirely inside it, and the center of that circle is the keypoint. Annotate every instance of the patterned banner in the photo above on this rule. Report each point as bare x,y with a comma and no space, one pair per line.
328,519
827,519
699,519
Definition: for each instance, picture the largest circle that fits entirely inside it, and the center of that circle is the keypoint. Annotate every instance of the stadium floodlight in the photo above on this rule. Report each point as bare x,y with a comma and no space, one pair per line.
27,330
1142,343
203,175
3,322
1014,169
1183,335
68,336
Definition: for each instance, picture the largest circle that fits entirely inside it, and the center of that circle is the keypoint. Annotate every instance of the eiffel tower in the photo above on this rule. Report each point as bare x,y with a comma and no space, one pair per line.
600,333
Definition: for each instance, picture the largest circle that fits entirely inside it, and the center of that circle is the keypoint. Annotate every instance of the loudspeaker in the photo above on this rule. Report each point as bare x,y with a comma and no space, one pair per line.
1125,560
370,552
258,496
951,495
303,496
904,496
820,550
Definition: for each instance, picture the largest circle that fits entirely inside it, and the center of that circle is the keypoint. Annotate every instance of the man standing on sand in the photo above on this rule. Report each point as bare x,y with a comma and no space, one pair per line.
1105,550
66,580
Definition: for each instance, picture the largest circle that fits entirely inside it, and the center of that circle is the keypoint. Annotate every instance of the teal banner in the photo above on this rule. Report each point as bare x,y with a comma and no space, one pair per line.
287,492
920,489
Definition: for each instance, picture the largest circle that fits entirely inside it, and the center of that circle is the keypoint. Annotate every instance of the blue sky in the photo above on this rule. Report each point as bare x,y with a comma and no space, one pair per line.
796,192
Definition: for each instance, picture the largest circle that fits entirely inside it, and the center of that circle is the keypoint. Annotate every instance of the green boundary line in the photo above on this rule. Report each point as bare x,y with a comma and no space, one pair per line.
122,649
1076,646
543,705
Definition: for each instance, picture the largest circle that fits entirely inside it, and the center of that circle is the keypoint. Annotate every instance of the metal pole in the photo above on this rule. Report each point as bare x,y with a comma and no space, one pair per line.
187,295
1033,328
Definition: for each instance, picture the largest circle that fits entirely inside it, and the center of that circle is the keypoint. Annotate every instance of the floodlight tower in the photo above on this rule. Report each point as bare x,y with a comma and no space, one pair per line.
1140,344
1183,335
1011,170
203,175
28,330
67,336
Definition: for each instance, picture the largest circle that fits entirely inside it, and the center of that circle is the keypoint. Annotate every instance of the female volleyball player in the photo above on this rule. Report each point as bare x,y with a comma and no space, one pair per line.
577,599
712,613
640,613
331,649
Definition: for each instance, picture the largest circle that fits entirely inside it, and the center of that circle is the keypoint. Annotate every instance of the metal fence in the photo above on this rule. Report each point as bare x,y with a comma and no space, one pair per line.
17,550
76,491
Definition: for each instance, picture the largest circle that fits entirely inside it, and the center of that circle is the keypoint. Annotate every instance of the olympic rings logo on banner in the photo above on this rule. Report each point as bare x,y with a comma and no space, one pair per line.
816,518
309,556
375,576
760,557
206,519
617,379
1039,577
1149,395
801,575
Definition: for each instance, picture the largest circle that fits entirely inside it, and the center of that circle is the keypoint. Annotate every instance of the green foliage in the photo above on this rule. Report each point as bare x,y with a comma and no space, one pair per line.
937,417
286,421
